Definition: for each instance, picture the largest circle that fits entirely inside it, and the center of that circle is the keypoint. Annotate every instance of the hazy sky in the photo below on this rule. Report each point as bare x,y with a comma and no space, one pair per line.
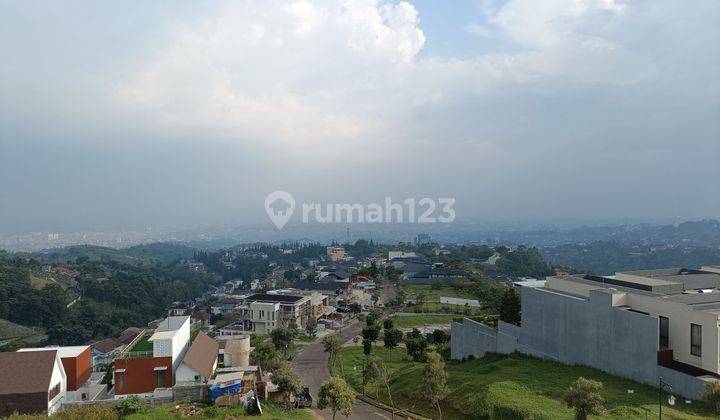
174,113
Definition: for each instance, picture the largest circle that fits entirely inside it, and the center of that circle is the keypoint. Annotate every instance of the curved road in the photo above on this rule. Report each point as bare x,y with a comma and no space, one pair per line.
311,364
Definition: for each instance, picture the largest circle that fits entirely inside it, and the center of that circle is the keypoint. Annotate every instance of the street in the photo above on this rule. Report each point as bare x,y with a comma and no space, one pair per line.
311,364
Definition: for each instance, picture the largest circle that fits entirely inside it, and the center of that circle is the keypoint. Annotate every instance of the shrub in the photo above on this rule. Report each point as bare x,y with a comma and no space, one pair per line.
130,405
712,394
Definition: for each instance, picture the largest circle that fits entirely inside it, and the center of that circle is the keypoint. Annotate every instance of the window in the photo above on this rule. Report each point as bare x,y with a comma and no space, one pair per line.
121,380
696,340
664,332
54,391
161,378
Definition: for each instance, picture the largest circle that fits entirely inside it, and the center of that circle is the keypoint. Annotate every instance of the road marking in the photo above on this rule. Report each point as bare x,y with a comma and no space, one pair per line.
381,415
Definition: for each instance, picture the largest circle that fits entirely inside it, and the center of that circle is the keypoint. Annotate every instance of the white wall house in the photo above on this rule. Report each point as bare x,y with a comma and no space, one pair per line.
172,338
58,378
264,316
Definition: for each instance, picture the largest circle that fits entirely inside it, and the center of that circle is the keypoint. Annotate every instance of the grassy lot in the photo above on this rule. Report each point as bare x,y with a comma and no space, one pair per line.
420,320
442,307
431,295
516,386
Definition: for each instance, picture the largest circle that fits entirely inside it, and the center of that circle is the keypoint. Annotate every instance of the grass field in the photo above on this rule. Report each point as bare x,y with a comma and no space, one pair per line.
420,320
515,385
431,295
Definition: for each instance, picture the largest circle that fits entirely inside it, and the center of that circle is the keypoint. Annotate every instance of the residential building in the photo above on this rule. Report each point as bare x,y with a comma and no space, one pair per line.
336,253
200,361
400,254
150,363
76,361
637,324
104,352
268,311
31,382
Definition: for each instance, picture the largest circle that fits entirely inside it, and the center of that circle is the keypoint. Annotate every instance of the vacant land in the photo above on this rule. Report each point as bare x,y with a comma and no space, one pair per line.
433,295
419,320
10,331
143,345
515,385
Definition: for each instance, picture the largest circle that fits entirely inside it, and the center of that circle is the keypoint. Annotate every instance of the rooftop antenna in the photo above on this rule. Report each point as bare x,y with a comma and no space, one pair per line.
347,233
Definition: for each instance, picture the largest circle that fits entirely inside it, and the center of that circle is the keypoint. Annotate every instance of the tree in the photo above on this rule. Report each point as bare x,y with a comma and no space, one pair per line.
384,375
420,298
436,285
265,356
510,307
332,346
388,323
416,347
287,382
310,325
712,394
435,381
355,308
392,338
583,396
282,337
370,372
371,332
367,347
371,318
438,337
337,395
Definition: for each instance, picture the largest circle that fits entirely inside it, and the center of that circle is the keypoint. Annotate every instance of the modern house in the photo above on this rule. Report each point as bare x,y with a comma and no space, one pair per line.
76,361
637,324
150,363
31,382
270,310
336,253
200,361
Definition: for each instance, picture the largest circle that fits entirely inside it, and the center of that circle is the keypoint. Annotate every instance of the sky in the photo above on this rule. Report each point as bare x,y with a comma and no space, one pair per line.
184,113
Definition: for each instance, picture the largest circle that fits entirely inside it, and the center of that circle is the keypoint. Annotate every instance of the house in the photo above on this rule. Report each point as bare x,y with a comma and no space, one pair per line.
150,363
129,334
268,311
392,255
431,275
104,352
640,325
76,361
31,382
336,253
200,361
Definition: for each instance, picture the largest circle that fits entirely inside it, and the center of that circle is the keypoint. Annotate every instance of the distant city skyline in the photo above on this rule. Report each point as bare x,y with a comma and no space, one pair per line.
177,114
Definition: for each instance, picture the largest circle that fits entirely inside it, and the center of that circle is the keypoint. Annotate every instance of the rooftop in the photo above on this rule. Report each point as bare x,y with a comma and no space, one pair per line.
26,371
67,351
262,297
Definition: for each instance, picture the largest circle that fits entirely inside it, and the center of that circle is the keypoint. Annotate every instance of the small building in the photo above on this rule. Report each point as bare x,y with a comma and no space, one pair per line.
200,361
31,382
104,352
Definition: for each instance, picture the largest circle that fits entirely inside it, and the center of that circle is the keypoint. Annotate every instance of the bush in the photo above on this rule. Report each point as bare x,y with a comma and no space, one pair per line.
130,405
712,394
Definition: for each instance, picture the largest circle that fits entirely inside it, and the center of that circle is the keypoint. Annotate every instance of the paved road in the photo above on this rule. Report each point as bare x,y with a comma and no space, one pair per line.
311,364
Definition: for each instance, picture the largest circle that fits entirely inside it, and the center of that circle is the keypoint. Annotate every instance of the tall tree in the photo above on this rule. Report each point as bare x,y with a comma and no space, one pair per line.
392,338
337,395
332,345
265,356
583,395
435,381
282,337
510,307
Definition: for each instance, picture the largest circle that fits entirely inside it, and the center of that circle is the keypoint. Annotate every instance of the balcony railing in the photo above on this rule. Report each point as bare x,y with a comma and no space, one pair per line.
135,354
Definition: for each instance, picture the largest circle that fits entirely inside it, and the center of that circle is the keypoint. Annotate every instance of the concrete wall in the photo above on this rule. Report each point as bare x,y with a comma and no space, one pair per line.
575,331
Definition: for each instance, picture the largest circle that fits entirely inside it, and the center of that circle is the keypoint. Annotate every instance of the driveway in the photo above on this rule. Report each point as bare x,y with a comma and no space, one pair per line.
311,364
